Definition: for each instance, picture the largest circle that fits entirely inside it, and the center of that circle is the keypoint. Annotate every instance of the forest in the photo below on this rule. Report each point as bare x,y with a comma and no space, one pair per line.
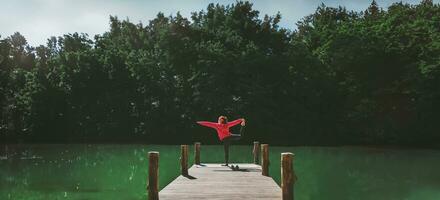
341,77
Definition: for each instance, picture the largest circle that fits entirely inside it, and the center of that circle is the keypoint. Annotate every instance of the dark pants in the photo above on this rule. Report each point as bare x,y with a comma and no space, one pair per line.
227,141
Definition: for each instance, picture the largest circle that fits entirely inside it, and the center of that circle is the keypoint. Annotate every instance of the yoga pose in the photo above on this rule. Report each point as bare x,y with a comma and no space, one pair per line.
222,128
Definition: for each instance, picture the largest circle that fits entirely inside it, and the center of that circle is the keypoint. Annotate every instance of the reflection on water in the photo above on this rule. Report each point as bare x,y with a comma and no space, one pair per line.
365,173
76,172
120,171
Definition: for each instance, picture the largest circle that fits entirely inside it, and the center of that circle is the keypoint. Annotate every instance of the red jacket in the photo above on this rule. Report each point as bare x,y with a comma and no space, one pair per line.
222,129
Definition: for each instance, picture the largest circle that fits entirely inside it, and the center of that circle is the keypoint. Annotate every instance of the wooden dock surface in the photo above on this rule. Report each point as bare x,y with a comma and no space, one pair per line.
215,182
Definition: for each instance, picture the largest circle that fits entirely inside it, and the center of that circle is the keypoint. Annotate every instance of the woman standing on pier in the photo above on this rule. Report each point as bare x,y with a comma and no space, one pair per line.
225,136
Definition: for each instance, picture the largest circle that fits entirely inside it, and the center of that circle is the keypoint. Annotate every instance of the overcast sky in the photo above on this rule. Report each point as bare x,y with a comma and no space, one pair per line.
38,20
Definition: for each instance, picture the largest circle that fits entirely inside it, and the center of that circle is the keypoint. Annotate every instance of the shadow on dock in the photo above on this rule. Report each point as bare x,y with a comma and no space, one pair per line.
230,170
189,177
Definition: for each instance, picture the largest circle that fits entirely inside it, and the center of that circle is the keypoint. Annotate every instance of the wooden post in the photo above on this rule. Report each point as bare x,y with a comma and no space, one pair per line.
256,152
153,173
287,175
184,159
197,153
265,159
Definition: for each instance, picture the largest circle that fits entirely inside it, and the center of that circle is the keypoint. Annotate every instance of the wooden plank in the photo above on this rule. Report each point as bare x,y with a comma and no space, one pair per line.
216,182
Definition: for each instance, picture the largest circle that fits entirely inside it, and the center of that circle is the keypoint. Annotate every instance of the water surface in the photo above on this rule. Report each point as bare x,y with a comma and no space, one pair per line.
120,171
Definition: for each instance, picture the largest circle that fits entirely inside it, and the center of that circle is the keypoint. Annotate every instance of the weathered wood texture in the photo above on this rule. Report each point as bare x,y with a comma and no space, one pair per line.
287,176
216,182
184,159
265,159
153,175
256,152
197,153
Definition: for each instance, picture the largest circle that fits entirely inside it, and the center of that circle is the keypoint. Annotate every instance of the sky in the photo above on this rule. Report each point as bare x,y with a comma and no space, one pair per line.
38,20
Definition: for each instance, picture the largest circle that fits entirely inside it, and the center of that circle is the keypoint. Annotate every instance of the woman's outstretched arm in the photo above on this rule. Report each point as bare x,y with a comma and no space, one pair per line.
208,124
235,122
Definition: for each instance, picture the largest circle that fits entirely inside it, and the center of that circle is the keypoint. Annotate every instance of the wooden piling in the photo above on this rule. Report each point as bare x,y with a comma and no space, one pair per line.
153,175
287,175
184,159
265,159
256,152
197,153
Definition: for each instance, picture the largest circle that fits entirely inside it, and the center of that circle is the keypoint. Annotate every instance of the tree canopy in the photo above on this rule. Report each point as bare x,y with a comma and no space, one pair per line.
343,77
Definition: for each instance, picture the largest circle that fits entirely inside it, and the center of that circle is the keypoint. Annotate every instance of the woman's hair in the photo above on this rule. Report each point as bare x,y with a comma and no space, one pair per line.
225,119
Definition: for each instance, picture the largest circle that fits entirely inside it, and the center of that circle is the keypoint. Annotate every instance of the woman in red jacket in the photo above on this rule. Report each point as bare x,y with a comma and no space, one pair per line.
222,128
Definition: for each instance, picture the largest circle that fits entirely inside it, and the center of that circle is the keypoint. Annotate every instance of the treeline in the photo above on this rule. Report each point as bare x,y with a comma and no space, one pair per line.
342,77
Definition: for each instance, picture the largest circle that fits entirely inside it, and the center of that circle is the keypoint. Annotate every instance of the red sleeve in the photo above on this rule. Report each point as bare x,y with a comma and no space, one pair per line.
235,122
208,124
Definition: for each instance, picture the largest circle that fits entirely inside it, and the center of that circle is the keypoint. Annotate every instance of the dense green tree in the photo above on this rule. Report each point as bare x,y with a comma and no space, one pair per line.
342,77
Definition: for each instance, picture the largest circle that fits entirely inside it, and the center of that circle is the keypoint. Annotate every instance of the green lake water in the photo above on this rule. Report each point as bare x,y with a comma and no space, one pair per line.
120,171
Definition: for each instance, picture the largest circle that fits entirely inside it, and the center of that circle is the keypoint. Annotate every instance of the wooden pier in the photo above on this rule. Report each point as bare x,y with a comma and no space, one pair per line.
213,181
216,182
